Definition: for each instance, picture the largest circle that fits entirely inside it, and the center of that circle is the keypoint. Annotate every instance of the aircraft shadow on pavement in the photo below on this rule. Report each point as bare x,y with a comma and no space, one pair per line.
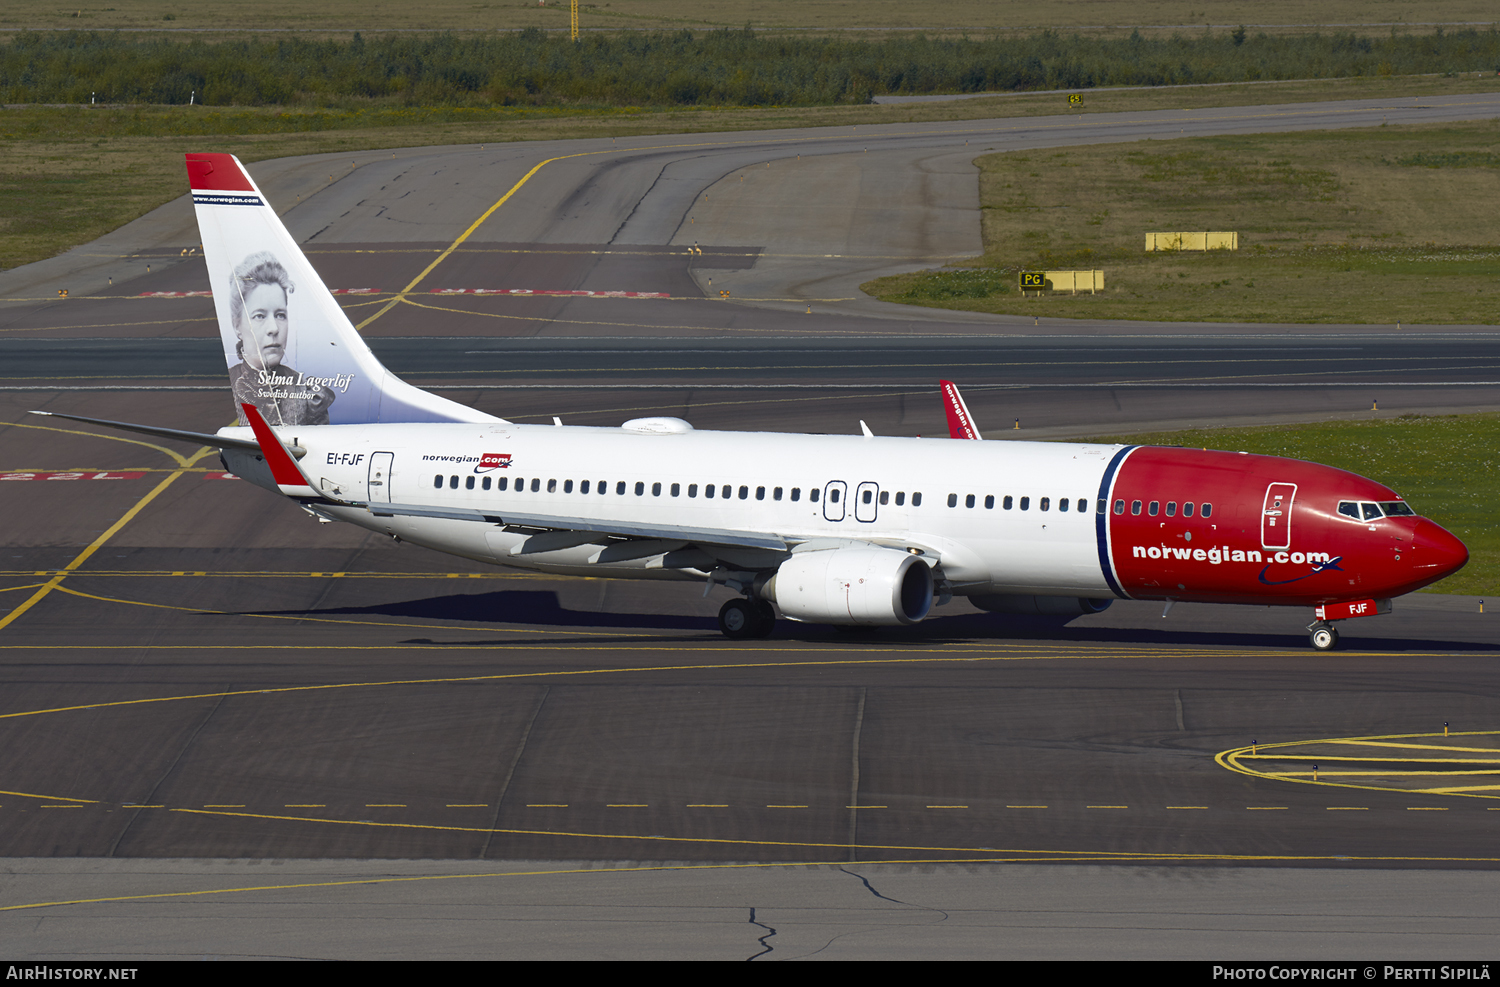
539,607
543,608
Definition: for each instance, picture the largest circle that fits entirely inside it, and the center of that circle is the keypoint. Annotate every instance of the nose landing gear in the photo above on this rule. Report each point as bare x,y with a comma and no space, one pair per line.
1323,636
741,619
1321,632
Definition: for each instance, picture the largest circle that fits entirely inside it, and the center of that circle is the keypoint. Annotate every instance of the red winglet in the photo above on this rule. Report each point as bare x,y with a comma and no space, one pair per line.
217,173
960,422
284,469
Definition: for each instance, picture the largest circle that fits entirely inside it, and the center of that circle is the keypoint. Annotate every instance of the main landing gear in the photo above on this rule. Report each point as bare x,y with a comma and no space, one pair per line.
1323,636
740,619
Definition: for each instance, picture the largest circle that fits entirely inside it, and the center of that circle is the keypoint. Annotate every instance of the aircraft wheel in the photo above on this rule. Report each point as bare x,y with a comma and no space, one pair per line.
739,619
1324,638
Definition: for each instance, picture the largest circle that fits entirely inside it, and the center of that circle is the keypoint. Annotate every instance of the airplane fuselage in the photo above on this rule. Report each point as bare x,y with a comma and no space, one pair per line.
999,517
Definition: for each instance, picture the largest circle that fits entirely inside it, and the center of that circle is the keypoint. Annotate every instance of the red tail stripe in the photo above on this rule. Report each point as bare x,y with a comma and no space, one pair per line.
217,173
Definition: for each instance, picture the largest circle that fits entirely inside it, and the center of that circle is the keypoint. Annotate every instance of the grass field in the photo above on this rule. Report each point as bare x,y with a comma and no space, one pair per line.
822,15
1446,467
1382,225
71,174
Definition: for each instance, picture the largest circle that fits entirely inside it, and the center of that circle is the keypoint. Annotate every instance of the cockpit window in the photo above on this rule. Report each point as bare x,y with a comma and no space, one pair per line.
1397,508
1372,511
1349,508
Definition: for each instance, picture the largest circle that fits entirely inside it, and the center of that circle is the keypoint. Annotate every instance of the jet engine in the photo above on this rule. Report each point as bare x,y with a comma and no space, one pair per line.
852,585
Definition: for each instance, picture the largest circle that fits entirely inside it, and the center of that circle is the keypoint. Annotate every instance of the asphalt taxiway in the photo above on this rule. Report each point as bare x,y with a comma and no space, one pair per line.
203,685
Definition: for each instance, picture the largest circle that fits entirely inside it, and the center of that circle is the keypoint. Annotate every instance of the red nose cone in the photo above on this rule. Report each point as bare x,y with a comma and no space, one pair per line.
1437,553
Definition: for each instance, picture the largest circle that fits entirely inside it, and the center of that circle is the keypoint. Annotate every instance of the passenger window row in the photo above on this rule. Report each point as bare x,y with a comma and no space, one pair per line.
710,491
1155,507
1008,502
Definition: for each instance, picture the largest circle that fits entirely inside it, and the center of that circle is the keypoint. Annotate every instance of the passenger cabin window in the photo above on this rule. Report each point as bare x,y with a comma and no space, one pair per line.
969,501
797,494
1062,503
504,482
989,502
692,489
486,483
1187,509
1171,508
916,499
437,482
953,500
536,484
812,496
453,483
1152,509
1046,503
1208,509
1135,507
1008,502
900,498
1025,503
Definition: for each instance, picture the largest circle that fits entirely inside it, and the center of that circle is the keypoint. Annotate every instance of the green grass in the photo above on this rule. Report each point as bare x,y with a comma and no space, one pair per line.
1447,467
1381,225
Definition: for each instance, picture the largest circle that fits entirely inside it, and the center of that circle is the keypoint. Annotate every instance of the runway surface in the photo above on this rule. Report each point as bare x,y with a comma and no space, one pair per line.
198,676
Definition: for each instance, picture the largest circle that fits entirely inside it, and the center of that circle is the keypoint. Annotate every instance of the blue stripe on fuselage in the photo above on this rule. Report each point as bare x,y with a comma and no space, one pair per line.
1101,521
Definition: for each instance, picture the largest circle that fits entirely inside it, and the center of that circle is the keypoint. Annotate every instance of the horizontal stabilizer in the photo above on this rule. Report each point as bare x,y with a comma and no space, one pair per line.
202,438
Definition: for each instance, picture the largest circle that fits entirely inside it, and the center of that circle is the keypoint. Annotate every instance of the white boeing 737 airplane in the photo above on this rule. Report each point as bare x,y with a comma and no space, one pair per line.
854,530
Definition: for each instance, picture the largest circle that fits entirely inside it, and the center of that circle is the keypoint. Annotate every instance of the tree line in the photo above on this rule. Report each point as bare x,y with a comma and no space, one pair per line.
716,68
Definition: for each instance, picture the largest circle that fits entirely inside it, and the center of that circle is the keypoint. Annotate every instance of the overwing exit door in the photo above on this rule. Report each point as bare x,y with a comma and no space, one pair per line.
834,495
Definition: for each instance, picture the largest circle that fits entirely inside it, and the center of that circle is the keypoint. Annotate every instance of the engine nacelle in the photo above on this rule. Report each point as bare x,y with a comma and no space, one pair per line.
853,585
1059,606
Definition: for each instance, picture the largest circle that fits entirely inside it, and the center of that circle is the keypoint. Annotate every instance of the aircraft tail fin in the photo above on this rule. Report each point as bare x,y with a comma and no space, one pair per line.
290,349
960,422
